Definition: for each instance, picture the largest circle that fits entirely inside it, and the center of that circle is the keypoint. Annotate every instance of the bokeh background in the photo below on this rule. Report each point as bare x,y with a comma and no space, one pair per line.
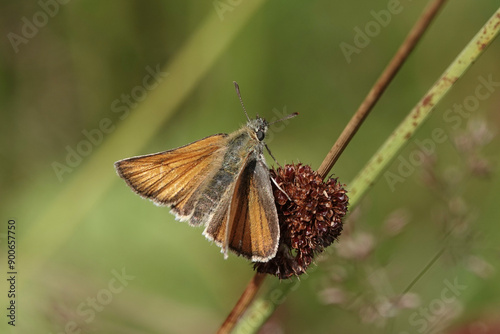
419,256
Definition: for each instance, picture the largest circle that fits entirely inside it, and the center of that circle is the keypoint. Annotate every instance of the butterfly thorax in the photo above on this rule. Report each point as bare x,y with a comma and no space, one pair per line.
242,146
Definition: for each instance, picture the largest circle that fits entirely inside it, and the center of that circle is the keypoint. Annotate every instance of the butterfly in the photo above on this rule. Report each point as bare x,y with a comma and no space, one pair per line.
220,182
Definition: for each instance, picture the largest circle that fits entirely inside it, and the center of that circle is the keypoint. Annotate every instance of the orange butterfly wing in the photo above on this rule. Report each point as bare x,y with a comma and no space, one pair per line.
175,177
251,212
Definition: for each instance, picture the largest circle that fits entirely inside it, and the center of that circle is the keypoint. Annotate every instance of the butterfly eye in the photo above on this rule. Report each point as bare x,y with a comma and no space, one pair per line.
260,135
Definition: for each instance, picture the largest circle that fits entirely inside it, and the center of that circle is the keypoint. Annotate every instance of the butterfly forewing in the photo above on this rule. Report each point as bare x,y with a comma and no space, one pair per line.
175,177
253,221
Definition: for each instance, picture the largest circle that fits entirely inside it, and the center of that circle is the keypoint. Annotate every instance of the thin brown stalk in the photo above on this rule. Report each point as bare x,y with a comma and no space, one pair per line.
349,131
379,87
242,304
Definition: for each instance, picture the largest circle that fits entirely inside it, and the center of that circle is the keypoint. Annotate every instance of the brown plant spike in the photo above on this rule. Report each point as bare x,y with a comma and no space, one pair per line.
310,218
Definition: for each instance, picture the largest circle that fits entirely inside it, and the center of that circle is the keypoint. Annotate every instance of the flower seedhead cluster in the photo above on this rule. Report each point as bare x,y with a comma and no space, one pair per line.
310,213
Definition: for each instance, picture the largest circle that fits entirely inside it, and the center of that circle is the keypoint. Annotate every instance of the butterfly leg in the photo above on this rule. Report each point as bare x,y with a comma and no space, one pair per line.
277,185
274,181
272,156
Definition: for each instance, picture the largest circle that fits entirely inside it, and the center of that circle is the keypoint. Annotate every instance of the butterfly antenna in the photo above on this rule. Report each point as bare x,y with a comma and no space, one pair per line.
241,100
285,118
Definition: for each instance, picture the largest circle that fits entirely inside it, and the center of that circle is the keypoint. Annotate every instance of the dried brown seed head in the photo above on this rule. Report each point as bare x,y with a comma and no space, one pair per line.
310,218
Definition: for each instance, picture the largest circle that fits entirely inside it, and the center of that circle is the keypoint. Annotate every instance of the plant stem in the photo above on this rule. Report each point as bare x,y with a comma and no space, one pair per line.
396,141
263,307
242,304
352,127
380,85
366,106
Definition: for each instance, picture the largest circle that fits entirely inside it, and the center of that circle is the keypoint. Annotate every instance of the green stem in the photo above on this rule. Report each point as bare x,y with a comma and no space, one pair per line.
397,140
264,306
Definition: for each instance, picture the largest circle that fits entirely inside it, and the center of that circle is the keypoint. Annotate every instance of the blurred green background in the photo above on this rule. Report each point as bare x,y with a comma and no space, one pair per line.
66,71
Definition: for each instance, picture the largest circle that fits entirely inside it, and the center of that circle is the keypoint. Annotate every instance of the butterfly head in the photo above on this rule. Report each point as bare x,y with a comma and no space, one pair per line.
259,127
